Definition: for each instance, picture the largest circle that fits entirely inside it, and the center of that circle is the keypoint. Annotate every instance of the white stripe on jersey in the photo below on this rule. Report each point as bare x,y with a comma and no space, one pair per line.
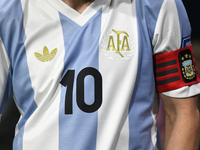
37,29
4,69
154,131
116,124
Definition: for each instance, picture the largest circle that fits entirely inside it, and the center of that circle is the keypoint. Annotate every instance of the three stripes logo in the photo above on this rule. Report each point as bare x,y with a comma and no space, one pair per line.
46,55
167,72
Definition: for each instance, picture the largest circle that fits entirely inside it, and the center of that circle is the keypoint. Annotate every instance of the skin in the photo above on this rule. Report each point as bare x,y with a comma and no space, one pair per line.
181,123
182,115
78,5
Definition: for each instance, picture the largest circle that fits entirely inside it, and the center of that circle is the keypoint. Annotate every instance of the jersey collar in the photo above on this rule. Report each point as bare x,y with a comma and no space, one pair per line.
75,16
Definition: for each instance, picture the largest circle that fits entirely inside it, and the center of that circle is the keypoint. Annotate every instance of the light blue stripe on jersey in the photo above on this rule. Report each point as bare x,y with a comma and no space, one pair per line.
81,51
8,87
143,96
14,38
184,22
148,11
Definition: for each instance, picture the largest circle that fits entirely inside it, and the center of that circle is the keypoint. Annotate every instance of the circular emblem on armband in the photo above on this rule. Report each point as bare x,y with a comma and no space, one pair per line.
187,66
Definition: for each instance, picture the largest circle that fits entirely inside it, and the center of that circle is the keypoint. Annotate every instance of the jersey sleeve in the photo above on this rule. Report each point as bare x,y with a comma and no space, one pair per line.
175,69
5,80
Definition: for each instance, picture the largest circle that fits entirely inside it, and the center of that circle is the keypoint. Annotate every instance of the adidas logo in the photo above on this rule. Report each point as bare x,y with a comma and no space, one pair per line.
46,55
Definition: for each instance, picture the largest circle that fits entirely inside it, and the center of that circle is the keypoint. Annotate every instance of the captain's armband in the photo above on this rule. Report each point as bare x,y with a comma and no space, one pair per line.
175,69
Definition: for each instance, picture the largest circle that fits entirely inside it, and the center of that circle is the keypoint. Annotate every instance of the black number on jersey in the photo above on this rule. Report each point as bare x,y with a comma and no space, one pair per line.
68,80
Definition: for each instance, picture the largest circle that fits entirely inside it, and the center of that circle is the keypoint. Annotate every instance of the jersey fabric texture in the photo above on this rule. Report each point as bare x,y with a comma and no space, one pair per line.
86,81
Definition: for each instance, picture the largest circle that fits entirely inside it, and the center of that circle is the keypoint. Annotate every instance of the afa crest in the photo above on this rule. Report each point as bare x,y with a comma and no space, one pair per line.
187,66
117,45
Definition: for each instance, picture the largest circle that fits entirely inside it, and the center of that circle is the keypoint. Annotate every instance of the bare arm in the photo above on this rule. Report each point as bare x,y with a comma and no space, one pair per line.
182,123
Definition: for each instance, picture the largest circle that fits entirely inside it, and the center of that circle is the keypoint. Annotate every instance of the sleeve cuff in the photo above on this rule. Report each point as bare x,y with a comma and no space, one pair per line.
184,92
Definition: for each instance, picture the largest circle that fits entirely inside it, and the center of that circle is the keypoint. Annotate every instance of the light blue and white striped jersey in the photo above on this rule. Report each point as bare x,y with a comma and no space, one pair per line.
86,81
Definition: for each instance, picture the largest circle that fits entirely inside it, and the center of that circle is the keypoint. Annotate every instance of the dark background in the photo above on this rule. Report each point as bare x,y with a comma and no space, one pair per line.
11,114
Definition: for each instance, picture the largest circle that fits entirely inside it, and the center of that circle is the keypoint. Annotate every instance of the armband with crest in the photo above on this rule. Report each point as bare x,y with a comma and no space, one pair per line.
175,69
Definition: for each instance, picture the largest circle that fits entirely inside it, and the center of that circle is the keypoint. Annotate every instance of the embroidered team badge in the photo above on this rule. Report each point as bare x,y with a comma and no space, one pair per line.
46,55
187,66
117,45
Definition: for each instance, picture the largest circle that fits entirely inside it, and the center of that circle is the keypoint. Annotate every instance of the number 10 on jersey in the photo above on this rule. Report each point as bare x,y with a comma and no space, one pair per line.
68,81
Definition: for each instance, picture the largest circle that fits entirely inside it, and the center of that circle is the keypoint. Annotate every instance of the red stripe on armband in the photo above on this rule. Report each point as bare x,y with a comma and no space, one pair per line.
175,69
